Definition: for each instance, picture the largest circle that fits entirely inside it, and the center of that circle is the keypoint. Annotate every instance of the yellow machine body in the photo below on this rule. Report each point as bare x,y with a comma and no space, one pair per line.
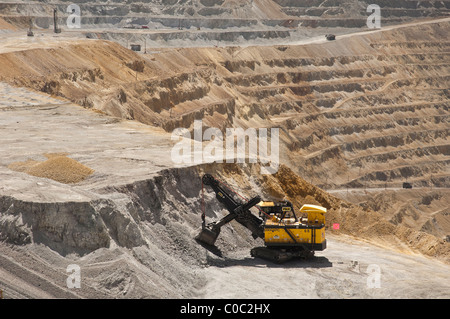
276,234
306,231
316,214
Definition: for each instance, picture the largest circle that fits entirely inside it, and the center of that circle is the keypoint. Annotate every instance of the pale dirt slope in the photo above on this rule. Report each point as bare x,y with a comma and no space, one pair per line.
130,226
352,110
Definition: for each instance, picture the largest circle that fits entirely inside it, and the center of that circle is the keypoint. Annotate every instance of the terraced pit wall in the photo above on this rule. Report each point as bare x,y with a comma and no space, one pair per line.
369,110
224,22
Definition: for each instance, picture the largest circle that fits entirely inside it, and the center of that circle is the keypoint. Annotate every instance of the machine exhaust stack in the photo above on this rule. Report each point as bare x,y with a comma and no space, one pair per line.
55,21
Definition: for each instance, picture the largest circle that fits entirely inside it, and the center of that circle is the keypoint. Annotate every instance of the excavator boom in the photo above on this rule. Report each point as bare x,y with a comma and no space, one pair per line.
238,211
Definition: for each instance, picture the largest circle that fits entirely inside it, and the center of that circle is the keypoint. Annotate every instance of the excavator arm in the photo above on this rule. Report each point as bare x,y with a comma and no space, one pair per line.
237,211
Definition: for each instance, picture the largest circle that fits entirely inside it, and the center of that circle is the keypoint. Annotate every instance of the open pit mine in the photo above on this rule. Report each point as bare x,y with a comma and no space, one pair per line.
197,149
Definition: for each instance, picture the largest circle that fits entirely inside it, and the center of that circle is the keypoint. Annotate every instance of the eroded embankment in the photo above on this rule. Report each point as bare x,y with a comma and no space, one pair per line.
156,220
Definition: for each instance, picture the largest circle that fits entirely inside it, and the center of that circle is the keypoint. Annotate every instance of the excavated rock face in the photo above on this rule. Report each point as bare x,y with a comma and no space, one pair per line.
71,227
164,213
64,227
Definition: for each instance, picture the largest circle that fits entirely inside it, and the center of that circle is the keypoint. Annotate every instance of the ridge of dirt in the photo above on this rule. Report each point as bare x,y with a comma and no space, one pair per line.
6,26
58,167
353,219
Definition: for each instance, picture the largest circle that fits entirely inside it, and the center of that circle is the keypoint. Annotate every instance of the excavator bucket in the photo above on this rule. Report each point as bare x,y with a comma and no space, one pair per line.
208,236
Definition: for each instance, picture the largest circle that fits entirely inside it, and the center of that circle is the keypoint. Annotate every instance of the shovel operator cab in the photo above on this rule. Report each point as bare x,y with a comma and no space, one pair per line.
285,234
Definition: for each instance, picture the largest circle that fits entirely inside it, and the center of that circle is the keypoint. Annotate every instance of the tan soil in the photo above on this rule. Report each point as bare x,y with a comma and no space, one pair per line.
58,167
132,228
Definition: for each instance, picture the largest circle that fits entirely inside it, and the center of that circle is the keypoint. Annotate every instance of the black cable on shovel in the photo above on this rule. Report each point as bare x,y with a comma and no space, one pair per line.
203,208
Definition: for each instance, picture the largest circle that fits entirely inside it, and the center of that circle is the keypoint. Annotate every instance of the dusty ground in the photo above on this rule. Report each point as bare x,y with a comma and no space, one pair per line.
130,224
146,220
101,142
342,271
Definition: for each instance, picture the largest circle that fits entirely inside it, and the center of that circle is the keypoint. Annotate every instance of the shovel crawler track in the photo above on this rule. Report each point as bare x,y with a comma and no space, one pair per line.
281,255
